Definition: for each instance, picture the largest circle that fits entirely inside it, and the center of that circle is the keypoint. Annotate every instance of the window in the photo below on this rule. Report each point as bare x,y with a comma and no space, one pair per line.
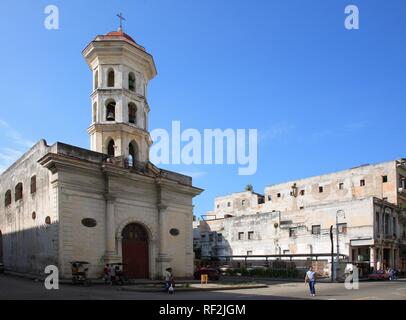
377,222
110,78
131,81
111,111
249,253
250,235
302,192
342,228
402,182
96,80
33,184
384,179
341,186
218,206
316,229
228,204
387,217
243,203
7,198
269,197
321,189
394,227
133,153
18,194
362,183
301,208
292,232
110,148
240,235
132,112
48,220
219,237
33,215
278,195
94,112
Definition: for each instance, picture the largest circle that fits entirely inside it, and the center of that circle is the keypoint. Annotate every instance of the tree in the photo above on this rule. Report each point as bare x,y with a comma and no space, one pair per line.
249,187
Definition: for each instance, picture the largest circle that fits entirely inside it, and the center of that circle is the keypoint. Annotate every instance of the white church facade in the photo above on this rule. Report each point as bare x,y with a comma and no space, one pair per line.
62,203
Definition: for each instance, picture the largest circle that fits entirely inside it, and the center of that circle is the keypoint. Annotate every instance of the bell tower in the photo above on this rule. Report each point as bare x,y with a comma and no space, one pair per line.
121,71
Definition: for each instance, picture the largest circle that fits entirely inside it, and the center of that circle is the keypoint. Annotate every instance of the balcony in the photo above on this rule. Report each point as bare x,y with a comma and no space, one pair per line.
402,190
386,236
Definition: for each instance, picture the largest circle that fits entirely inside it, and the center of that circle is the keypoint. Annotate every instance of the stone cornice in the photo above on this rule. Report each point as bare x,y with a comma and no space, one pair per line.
119,91
170,185
55,162
121,49
117,126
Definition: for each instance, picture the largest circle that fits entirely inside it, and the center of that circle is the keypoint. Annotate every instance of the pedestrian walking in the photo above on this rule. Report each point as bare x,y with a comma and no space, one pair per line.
311,278
106,275
112,274
168,280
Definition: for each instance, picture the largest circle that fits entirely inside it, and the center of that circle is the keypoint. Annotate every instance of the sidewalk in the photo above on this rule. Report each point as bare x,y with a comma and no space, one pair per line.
194,287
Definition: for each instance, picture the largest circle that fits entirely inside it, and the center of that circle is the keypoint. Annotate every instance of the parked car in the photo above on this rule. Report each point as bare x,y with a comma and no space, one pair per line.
1,268
213,273
379,275
256,268
225,268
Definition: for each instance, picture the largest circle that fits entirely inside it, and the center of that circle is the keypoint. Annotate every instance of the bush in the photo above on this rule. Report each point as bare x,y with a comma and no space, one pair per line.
289,272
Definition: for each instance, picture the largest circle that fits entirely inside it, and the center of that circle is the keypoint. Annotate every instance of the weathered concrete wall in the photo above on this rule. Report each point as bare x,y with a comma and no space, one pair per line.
283,224
236,204
271,230
81,196
29,244
351,188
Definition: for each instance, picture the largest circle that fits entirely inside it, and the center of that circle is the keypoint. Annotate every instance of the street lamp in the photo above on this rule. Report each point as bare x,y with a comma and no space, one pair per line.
339,213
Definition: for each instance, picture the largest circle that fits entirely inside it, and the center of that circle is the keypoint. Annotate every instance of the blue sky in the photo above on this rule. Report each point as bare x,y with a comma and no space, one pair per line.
322,98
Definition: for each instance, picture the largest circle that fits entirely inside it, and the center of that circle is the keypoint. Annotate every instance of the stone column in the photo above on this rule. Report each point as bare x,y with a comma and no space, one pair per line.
110,229
163,258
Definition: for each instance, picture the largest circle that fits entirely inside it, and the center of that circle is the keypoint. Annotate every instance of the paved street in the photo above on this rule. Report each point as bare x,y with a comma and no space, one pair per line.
19,288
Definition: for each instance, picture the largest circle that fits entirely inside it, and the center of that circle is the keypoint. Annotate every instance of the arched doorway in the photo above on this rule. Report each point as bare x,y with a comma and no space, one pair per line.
110,148
135,251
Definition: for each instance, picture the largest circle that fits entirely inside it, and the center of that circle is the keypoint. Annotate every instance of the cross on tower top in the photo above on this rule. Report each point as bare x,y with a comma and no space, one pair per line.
120,16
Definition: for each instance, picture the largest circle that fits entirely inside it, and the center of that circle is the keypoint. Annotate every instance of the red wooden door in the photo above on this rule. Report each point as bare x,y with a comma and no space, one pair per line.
135,251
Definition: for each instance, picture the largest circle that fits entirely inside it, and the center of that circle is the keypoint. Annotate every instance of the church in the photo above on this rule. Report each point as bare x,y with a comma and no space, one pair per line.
109,204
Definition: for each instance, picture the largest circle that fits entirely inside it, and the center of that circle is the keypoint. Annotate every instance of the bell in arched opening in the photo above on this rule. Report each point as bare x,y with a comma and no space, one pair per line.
110,116
111,111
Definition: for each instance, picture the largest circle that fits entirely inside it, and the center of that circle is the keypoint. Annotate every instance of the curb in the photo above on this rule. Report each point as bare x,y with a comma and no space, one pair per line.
126,288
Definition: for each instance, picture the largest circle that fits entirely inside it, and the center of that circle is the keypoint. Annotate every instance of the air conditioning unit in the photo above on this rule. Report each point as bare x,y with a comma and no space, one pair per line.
401,190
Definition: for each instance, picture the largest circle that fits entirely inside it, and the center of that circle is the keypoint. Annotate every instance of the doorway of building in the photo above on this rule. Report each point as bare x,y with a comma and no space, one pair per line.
135,251
386,258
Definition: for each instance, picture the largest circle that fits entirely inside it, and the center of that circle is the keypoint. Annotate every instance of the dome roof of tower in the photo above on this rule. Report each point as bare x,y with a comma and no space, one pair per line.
119,34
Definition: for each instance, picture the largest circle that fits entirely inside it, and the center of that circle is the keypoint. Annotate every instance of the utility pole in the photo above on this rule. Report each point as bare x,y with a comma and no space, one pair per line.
332,253
339,212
